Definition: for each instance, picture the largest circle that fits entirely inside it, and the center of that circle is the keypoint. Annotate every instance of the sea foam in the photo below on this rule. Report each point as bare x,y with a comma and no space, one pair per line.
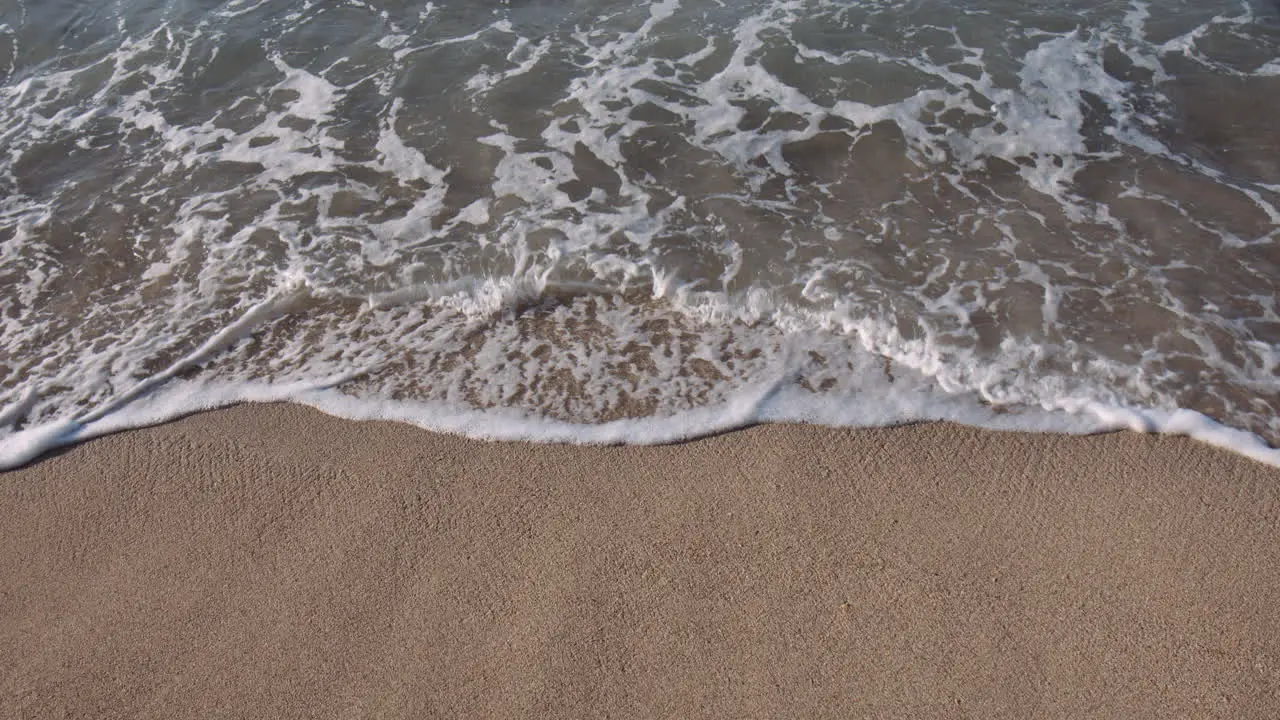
646,223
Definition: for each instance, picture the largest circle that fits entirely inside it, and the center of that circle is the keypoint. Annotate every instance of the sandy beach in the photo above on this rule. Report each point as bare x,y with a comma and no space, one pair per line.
271,561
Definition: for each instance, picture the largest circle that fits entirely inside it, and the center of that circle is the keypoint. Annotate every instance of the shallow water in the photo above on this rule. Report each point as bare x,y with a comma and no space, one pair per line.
530,218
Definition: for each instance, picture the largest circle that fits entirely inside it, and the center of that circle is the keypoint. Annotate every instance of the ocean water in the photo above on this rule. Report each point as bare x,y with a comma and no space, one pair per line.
608,221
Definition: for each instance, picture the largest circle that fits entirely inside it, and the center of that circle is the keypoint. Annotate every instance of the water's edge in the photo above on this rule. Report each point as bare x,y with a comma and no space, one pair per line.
773,403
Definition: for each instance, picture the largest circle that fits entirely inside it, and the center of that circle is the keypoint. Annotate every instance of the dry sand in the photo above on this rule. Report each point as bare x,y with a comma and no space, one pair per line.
271,561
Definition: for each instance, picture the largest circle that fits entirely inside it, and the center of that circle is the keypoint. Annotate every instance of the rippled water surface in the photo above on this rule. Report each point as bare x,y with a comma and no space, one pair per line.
582,211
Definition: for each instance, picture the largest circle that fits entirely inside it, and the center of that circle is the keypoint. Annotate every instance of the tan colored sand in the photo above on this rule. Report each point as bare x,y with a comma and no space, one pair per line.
271,561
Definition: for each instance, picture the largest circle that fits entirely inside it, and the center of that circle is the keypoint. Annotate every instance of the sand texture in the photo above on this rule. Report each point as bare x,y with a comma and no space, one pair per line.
273,562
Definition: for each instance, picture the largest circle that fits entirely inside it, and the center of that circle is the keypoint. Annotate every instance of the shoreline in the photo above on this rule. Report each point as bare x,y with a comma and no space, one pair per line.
274,561
30,445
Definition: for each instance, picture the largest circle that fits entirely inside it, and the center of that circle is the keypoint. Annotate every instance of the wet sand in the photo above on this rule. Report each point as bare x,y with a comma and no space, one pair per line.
271,561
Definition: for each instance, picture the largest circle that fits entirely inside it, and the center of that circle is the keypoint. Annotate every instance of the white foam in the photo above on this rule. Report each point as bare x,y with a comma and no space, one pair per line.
432,245
773,402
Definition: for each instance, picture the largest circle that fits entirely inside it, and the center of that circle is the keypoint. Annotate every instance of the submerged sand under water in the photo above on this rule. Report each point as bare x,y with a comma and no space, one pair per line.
576,213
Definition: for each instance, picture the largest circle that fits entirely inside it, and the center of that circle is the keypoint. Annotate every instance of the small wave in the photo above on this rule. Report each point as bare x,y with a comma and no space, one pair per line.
639,218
